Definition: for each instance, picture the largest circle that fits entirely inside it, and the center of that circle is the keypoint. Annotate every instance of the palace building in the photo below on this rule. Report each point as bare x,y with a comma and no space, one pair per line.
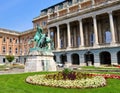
84,32
15,43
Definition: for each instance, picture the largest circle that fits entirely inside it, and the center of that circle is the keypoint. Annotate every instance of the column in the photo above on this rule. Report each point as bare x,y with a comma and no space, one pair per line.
112,27
69,36
58,37
99,31
93,2
49,32
81,32
49,37
95,30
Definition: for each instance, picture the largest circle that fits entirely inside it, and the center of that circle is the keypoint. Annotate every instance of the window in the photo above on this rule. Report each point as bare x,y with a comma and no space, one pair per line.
10,50
70,3
61,43
17,60
10,40
4,39
92,39
51,10
43,23
78,41
81,0
108,37
16,50
4,50
43,13
16,41
51,35
60,6
76,1
3,60
20,51
21,41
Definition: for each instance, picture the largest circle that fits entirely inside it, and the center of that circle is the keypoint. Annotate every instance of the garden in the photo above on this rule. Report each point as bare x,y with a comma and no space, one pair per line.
17,83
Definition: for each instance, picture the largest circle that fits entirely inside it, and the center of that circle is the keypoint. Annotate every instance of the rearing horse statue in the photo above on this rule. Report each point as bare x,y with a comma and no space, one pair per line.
41,40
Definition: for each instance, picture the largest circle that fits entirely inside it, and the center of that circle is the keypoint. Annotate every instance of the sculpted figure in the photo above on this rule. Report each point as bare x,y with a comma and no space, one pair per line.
41,40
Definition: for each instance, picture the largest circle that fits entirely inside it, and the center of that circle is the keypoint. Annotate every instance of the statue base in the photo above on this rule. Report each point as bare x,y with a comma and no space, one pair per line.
40,61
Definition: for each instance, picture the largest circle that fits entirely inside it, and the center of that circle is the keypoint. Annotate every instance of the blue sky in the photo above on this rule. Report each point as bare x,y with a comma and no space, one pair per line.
18,14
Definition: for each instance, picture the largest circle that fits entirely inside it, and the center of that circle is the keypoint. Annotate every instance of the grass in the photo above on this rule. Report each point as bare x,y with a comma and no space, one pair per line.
99,68
15,83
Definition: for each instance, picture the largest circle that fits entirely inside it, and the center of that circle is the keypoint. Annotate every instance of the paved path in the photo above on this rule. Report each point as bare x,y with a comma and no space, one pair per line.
12,71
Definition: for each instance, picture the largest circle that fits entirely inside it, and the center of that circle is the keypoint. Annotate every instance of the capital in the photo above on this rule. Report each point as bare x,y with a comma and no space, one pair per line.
109,12
93,16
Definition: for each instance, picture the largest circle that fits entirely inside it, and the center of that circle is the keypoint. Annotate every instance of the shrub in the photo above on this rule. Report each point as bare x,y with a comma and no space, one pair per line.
10,58
67,71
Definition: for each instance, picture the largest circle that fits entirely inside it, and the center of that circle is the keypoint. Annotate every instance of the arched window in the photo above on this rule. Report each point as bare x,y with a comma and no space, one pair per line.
4,39
10,40
105,57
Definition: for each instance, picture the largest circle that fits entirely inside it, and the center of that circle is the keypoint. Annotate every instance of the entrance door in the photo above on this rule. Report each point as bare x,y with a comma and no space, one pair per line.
105,58
75,59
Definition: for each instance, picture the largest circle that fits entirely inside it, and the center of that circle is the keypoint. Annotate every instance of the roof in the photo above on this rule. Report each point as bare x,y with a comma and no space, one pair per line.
7,31
54,5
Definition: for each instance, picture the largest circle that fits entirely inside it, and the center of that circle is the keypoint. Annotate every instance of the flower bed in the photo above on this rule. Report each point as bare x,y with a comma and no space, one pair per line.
68,76
106,76
87,82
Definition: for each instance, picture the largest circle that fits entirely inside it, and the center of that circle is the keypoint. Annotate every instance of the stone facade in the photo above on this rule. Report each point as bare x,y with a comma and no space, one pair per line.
15,43
83,32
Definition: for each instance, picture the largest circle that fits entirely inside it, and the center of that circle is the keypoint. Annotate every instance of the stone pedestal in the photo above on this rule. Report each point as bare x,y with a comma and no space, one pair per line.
40,61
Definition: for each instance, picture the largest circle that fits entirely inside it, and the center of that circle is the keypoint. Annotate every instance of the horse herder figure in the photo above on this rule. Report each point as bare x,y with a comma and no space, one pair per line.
42,41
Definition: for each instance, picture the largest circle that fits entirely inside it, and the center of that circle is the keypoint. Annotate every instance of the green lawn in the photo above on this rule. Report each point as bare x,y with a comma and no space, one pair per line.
99,68
16,84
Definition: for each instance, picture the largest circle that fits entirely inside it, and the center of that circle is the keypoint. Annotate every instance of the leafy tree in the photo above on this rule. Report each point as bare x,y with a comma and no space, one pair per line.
9,58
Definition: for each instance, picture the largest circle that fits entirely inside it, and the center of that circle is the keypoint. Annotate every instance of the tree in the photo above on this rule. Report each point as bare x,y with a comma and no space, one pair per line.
9,58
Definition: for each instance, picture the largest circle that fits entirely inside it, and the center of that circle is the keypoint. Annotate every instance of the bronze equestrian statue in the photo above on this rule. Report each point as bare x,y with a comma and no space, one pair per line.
41,40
